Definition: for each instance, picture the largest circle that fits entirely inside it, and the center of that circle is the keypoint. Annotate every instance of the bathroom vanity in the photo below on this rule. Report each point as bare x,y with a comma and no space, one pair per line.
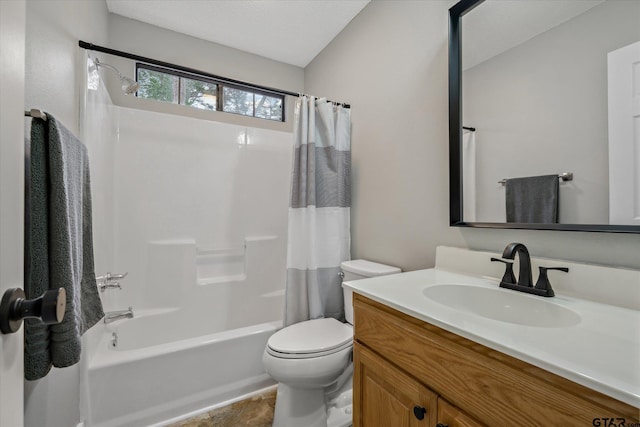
425,357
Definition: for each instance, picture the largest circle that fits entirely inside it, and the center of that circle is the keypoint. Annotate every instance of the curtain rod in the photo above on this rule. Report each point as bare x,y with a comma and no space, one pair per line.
91,46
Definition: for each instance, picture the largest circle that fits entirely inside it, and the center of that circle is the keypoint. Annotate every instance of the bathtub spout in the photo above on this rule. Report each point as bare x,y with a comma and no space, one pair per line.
112,316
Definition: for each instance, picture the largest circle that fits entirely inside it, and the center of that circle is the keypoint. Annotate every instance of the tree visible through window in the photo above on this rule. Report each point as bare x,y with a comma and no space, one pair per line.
238,101
158,86
201,92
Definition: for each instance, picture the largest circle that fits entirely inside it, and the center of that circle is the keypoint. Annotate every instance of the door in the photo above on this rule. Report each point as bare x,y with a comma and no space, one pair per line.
624,135
12,122
385,396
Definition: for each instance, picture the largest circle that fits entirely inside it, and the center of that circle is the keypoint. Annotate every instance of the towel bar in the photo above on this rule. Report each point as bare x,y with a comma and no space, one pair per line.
38,114
565,176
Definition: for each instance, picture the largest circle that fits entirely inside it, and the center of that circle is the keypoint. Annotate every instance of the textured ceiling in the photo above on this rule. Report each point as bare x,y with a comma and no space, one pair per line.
290,31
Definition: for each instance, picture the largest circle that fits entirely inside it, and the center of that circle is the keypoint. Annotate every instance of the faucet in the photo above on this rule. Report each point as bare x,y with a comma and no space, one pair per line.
108,281
524,277
112,316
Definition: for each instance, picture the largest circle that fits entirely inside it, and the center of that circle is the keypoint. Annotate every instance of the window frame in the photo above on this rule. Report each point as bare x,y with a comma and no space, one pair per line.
220,85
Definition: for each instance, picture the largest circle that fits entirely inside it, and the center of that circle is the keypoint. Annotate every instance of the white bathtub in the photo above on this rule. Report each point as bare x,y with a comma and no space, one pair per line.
133,384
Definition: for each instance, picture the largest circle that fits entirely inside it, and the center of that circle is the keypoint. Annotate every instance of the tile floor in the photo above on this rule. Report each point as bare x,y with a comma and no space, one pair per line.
257,411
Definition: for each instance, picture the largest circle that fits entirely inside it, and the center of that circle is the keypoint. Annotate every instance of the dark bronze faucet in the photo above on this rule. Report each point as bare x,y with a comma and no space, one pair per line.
525,279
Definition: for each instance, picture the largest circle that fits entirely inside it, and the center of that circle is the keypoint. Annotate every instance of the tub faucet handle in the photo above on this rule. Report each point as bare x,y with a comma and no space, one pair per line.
109,281
109,278
104,286
118,276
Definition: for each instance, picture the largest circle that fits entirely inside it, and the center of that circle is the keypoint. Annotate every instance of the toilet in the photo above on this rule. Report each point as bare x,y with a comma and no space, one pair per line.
312,362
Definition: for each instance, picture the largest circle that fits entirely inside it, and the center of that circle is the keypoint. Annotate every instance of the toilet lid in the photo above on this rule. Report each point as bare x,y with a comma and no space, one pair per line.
311,338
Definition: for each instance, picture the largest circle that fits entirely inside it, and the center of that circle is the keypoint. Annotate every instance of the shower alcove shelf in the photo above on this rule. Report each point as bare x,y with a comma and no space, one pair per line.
220,265
211,266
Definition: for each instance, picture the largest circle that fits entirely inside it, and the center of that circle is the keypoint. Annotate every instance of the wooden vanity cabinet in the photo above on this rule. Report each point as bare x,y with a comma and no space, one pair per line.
388,396
450,416
401,363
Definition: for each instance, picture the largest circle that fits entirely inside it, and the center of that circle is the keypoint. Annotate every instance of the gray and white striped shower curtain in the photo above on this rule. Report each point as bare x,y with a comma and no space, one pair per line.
319,224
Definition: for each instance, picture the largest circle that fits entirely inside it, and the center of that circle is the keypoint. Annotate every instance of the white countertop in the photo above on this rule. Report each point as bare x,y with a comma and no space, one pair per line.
601,352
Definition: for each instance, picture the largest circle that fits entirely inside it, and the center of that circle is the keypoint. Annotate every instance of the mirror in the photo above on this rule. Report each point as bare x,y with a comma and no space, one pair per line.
545,88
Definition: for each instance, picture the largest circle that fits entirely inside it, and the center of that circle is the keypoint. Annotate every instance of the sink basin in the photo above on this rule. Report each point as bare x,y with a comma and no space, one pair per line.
503,305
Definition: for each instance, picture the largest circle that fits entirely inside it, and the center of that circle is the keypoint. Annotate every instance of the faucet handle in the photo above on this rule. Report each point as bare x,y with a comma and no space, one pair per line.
508,276
109,285
543,280
109,278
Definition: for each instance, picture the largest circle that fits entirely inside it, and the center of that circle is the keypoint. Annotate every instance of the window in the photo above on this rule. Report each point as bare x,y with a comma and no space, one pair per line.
168,85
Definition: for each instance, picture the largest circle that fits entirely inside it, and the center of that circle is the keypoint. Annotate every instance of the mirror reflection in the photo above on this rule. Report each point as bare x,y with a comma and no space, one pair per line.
552,89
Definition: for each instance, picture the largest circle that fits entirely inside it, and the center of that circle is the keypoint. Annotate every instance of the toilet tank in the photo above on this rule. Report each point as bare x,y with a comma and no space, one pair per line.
361,269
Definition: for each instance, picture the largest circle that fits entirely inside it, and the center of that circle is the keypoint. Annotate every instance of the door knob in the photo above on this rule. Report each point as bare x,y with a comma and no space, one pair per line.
49,307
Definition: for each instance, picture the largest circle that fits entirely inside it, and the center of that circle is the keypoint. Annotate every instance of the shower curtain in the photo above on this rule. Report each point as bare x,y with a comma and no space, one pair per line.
469,176
319,225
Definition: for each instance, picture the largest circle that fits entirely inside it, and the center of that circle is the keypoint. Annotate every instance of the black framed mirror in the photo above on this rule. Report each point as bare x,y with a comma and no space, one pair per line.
517,55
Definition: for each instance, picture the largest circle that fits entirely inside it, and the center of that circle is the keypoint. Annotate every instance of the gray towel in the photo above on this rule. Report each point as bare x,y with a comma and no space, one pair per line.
532,199
61,246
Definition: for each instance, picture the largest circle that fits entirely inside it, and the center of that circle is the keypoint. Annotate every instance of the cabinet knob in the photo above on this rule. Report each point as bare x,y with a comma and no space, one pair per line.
419,412
14,307
442,425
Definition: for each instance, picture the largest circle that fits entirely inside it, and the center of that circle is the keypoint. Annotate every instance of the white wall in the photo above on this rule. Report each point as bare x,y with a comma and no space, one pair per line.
542,107
390,63
53,76
53,84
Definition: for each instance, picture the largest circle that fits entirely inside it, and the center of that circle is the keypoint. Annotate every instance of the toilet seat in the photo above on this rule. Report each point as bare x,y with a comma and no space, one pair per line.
312,338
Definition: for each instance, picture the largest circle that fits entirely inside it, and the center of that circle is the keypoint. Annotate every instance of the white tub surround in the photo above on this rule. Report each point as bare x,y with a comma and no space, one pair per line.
596,345
199,202
197,215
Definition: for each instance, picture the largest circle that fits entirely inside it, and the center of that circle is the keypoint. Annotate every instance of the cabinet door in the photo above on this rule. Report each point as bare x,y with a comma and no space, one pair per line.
385,396
450,416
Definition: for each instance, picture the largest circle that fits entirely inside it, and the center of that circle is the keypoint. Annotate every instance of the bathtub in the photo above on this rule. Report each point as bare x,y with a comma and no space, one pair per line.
134,380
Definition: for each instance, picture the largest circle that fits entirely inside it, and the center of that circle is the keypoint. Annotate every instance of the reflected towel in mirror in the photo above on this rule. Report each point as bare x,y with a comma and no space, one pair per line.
532,199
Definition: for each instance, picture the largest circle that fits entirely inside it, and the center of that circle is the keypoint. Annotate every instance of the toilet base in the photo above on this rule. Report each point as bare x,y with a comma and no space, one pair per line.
340,410
315,408
298,407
